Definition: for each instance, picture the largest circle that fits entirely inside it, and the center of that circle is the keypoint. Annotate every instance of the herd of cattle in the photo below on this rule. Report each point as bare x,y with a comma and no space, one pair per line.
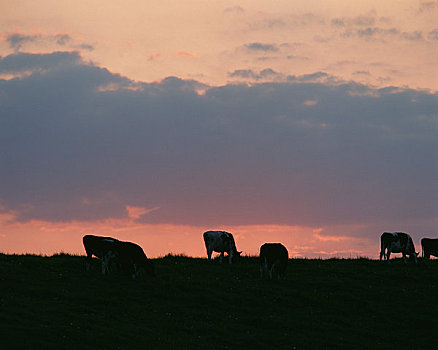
130,257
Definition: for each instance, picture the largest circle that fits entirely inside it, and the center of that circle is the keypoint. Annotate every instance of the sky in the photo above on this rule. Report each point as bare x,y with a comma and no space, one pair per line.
311,123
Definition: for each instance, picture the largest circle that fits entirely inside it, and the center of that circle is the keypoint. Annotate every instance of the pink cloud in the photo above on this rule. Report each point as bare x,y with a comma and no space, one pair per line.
332,238
186,54
137,212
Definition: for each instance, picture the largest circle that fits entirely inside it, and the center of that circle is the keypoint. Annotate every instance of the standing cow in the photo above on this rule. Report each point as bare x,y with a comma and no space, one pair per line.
100,247
397,242
429,247
273,260
221,242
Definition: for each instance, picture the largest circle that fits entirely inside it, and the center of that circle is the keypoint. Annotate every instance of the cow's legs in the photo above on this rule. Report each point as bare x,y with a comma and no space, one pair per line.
230,252
209,252
263,269
382,249
404,257
388,254
221,257
88,262
275,269
104,267
106,261
135,273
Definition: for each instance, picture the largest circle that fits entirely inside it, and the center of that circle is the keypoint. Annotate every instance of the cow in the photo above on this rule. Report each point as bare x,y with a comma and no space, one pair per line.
221,242
131,258
100,247
429,247
126,255
273,260
397,242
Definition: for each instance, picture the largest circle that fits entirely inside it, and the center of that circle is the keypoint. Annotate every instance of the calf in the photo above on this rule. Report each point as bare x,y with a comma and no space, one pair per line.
221,242
273,260
397,242
429,247
100,247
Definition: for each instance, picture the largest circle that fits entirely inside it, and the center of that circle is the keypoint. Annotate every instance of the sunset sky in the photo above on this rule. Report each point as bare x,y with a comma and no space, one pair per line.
311,123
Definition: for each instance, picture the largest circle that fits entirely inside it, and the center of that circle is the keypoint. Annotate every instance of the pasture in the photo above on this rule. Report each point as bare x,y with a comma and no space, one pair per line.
53,303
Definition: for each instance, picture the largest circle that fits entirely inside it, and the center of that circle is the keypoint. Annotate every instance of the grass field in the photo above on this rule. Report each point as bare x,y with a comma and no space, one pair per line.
53,303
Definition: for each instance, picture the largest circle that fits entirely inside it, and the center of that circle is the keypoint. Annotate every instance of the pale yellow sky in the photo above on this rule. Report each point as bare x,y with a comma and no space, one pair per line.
374,42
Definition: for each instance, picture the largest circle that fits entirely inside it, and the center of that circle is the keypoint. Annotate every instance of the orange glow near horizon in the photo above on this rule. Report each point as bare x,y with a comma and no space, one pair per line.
48,238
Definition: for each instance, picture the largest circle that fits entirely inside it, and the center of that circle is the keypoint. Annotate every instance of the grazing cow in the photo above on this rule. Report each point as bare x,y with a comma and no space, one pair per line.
273,260
429,247
221,242
397,242
131,258
128,256
100,247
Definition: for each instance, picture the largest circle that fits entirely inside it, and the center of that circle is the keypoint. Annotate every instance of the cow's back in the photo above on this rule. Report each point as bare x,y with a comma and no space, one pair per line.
273,259
216,240
274,251
388,237
129,251
131,256
95,245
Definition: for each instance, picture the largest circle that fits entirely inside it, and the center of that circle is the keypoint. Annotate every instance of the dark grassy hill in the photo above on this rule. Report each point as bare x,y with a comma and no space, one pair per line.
52,302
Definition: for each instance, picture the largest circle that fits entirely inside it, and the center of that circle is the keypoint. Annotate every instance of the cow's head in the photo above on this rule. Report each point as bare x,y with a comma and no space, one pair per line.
236,255
415,255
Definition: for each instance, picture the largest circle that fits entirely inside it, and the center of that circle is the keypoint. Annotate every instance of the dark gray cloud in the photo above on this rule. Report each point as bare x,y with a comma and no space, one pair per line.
303,152
264,74
87,47
383,33
412,36
296,57
261,47
284,21
433,35
313,77
25,62
62,39
427,6
243,73
18,41
371,26
366,20
374,31
362,73
235,10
